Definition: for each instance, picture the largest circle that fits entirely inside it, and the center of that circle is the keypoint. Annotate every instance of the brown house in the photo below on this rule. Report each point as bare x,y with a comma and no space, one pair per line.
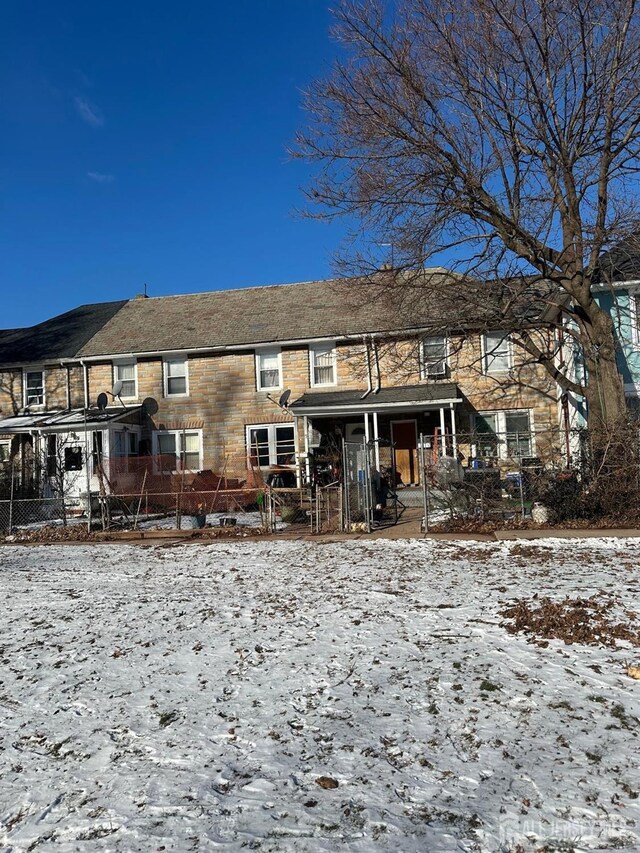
273,378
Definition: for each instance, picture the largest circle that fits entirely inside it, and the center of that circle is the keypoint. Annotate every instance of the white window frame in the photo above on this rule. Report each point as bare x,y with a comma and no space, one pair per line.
126,362
173,359
272,429
424,365
487,353
178,433
36,368
634,316
6,455
269,352
128,435
501,431
322,349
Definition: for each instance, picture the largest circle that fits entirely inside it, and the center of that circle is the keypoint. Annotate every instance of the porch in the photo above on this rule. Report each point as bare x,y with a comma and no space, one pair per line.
390,416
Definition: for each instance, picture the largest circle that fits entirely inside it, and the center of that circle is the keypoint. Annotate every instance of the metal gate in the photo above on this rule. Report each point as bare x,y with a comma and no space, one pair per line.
369,485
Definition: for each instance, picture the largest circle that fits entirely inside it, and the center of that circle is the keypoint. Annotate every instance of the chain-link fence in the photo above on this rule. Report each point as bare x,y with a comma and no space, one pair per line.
32,513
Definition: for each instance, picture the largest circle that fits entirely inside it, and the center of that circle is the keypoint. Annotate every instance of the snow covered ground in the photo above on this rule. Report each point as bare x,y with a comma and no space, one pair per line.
191,697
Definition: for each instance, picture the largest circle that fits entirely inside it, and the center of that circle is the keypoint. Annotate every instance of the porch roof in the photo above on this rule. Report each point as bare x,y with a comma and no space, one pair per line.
67,420
430,396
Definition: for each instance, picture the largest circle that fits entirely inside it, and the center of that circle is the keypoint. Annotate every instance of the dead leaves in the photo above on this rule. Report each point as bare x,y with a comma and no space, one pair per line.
327,782
575,620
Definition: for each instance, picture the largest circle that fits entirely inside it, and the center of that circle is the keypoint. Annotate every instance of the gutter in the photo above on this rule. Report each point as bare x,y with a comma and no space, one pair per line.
354,408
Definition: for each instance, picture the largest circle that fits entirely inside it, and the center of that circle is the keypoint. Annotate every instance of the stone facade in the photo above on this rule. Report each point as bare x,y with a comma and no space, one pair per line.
223,398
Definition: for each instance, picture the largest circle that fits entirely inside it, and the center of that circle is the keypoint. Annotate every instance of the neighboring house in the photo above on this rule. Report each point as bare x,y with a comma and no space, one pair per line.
44,424
618,292
200,378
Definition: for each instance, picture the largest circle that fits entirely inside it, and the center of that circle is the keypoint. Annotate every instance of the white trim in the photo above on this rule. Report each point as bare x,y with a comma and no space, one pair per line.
314,349
424,374
272,444
34,368
483,345
355,409
501,431
266,352
126,362
179,449
167,359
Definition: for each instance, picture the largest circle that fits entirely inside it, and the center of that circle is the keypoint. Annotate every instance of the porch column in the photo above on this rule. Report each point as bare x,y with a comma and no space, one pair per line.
454,437
298,452
443,444
367,436
375,438
307,465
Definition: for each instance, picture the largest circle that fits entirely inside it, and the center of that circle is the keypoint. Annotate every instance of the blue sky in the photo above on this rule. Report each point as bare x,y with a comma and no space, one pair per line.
146,142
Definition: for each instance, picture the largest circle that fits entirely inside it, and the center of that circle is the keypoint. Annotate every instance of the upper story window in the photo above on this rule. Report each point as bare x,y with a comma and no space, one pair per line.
34,387
268,370
497,356
176,377
434,357
127,373
322,364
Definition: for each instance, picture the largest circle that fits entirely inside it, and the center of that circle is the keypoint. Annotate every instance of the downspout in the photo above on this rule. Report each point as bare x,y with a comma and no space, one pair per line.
368,354
68,369
85,381
377,364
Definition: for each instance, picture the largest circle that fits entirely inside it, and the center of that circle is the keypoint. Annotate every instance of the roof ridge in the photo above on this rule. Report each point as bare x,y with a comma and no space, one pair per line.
244,289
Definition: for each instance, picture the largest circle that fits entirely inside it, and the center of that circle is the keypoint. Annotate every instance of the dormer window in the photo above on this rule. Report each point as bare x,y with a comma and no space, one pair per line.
34,388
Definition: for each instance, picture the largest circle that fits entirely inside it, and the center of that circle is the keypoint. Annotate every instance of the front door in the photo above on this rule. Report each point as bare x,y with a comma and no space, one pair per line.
404,435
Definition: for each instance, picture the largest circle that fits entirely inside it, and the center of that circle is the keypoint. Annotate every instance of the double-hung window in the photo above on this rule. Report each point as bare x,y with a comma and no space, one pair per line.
5,451
322,364
176,377
34,387
434,357
268,370
127,373
271,444
497,355
179,449
505,434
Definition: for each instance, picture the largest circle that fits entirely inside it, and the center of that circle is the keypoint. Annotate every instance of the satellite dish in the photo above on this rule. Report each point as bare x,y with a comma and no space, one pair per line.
102,401
117,389
284,399
150,405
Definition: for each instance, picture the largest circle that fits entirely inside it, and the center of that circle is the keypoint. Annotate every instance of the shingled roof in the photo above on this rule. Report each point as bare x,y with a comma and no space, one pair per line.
620,263
58,338
334,308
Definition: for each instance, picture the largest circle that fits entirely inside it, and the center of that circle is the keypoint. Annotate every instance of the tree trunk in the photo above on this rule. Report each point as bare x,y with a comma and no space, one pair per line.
607,409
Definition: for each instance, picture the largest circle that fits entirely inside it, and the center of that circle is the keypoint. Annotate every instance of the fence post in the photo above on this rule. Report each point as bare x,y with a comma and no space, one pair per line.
13,469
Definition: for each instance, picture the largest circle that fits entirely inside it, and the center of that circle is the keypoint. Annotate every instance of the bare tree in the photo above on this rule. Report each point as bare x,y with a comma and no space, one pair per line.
498,135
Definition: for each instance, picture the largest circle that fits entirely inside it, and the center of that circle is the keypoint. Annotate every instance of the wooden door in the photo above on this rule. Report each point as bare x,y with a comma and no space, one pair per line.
404,435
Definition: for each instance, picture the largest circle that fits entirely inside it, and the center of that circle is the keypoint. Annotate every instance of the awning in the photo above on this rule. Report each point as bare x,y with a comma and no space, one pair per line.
70,420
406,397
